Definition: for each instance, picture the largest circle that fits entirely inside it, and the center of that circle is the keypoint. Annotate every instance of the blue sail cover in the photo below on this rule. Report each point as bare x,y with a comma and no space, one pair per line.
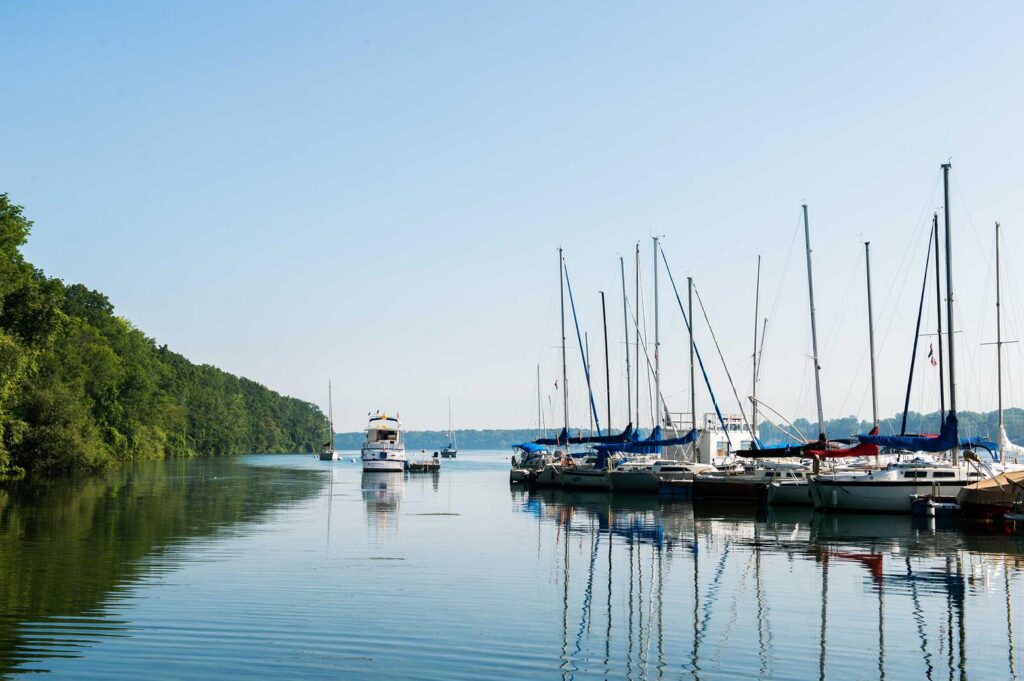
650,444
916,443
531,447
564,438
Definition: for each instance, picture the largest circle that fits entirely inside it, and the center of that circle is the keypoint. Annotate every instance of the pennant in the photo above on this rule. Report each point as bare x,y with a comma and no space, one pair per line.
931,355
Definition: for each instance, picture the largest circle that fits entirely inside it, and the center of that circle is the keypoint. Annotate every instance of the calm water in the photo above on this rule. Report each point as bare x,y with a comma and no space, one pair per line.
286,567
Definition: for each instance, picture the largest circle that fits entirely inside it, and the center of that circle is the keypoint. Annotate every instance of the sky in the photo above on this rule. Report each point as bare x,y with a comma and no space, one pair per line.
374,193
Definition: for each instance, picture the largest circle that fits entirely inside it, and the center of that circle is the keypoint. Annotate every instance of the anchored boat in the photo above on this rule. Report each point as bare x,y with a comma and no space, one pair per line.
384,448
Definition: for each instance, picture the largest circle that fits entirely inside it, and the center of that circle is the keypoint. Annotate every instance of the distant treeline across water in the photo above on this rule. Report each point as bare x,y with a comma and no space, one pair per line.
971,423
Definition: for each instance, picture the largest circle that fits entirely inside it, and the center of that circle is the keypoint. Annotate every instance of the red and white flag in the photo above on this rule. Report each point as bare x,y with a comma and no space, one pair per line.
931,355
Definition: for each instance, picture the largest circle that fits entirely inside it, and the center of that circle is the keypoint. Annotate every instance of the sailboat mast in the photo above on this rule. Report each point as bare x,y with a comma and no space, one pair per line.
657,343
689,328
565,382
607,368
999,340
586,362
938,321
950,331
753,388
814,329
540,418
625,338
637,346
330,413
871,336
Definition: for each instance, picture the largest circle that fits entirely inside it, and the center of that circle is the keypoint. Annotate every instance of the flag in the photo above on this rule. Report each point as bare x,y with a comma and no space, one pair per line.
556,384
931,355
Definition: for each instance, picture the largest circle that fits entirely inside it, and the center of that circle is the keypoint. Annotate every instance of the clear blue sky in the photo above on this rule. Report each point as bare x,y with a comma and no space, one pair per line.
374,192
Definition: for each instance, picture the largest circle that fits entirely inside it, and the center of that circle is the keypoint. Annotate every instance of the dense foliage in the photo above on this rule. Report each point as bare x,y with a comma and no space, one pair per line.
81,388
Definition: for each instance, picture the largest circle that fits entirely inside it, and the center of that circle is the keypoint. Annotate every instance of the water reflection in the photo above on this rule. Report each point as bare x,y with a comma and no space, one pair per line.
717,592
382,495
69,549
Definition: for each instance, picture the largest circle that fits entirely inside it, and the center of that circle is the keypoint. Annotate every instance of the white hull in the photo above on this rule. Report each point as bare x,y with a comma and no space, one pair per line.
790,494
329,456
550,476
875,496
384,465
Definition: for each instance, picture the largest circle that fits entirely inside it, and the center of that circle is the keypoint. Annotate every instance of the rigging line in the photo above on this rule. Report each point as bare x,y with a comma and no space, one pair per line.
647,356
778,295
579,338
696,352
743,412
840,311
906,263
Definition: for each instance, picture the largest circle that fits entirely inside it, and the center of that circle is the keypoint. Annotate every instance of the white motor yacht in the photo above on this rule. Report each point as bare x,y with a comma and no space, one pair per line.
384,448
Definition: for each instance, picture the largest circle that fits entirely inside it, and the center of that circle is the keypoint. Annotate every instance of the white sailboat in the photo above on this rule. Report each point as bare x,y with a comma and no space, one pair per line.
384,448
451,449
327,452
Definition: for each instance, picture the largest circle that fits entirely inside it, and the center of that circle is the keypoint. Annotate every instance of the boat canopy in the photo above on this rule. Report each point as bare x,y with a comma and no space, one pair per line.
531,447
945,440
649,445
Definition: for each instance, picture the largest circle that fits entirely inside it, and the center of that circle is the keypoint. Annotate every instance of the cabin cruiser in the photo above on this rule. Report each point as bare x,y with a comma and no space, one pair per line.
747,483
384,448
646,474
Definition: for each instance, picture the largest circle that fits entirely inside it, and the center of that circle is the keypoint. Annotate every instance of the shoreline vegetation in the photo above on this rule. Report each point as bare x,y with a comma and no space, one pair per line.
971,424
81,389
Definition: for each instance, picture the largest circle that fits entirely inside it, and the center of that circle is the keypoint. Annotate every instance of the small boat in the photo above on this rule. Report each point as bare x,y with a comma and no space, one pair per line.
586,472
451,449
527,463
993,497
327,452
384,448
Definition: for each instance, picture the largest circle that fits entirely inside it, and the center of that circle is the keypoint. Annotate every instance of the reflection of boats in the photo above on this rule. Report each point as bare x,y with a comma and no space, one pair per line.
384,449
327,452
382,495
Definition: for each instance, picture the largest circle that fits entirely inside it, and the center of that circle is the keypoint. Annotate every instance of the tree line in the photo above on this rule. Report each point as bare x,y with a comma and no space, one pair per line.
83,389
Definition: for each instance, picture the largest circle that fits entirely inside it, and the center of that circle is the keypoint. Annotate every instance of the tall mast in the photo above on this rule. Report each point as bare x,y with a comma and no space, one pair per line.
540,419
871,336
689,328
637,346
999,340
586,363
757,311
625,338
657,343
938,321
565,382
814,329
607,369
330,413
950,331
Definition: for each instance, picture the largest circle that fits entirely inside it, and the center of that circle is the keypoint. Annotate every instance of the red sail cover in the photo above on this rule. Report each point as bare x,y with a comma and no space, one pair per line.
846,452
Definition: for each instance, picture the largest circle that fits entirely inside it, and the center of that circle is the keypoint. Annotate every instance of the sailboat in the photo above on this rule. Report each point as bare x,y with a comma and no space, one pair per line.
327,452
893,488
451,449
997,496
